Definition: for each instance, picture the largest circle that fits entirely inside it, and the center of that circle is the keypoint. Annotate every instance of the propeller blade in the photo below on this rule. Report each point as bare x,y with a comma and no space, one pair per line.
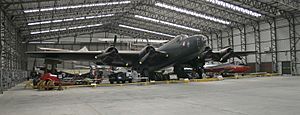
147,41
226,57
115,40
143,59
34,64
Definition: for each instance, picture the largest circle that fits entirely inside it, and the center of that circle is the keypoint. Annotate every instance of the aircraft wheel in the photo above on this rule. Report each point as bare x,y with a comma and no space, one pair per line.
38,84
49,85
41,85
111,82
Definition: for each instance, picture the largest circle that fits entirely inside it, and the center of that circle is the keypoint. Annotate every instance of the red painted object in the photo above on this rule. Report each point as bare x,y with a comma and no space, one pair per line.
49,76
227,68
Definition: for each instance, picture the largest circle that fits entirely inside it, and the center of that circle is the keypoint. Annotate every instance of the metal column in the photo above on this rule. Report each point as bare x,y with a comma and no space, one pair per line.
256,28
1,82
219,41
230,42
210,41
243,40
292,35
273,48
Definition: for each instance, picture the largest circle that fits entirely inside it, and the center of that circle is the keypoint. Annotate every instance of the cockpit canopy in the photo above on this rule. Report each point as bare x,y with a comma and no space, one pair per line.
181,37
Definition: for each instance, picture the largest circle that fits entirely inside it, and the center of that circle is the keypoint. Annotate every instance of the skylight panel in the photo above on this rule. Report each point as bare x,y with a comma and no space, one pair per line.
181,10
40,42
133,40
80,18
55,21
144,30
62,29
69,19
76,6
234,7
167,23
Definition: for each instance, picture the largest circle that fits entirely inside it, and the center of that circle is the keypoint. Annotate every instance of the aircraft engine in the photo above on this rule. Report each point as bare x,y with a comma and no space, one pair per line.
226,54
109,55
146,53
206,53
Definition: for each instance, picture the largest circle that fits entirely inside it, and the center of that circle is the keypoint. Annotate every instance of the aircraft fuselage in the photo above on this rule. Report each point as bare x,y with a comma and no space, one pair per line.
179,50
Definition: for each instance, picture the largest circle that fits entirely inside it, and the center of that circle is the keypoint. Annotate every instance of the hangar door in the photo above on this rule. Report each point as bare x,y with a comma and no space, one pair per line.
286,67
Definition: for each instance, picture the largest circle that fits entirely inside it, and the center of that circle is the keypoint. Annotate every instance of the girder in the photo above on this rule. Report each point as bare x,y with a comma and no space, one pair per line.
190,22
256,29
293,47
219,41
273,47
243,38
259,6
147,8
68,24
68,33
206,8
153,27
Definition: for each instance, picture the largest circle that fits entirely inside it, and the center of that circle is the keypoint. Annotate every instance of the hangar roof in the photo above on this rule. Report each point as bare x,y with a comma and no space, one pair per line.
153,19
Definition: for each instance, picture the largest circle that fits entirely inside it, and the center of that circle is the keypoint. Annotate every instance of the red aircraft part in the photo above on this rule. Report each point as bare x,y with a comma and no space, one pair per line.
49,76
229,69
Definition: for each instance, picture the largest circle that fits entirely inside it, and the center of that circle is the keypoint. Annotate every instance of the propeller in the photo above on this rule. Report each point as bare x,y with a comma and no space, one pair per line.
34,64
207,52
115,41
110,53
149,51
229,53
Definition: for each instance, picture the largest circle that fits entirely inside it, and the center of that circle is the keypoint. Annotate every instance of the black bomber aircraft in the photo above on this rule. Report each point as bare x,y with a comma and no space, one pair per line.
182,50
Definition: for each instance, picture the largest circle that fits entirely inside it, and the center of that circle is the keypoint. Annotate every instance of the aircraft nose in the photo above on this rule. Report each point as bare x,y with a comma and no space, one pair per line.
201,40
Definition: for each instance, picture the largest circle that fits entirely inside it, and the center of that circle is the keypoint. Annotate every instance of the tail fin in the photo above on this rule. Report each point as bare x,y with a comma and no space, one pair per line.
83,49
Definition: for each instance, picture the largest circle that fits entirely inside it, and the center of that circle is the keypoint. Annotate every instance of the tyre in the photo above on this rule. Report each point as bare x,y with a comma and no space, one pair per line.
130,81
111,82
49,85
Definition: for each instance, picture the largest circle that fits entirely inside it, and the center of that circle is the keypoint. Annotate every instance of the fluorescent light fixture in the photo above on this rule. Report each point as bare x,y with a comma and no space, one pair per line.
42,42
144,30
133,40
62,29
167,23
163,5
234,7
69,19
76,6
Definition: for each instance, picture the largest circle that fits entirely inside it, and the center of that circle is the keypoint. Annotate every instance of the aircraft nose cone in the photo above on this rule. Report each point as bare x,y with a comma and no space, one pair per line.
202,40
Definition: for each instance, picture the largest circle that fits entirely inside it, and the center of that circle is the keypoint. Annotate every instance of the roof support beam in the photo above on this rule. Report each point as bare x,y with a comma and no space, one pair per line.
262,7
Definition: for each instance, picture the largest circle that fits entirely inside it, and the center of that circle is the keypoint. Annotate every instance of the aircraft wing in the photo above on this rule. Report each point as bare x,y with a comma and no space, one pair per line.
79,55
244,53
224,55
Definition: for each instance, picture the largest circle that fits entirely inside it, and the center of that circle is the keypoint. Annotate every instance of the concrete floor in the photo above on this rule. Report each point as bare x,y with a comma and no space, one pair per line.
255,96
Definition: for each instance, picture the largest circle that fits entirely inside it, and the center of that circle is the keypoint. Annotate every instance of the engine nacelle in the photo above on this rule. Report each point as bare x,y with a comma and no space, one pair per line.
111,49
108,56
225,54
146,52
225,51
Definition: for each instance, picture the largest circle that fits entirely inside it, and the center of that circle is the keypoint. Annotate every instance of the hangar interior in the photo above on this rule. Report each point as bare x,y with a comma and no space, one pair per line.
271,27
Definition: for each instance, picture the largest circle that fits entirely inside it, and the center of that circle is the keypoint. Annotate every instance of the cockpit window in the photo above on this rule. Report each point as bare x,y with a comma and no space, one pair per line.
181,37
